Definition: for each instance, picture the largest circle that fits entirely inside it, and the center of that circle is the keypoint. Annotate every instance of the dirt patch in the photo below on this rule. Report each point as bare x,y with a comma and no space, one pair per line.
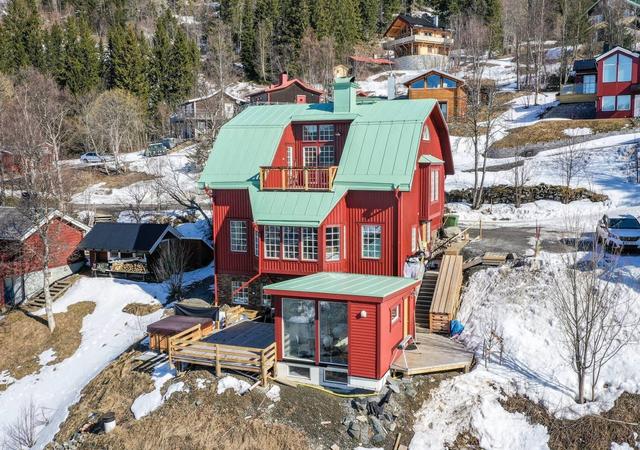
84,177
141,309
199,418
553,130
29,336
619,424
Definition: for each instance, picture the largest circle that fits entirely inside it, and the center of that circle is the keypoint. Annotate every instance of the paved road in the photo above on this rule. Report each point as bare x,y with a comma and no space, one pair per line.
518,240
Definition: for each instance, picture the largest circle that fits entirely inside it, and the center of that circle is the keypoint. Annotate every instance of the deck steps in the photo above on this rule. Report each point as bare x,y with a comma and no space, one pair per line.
57,289
425,297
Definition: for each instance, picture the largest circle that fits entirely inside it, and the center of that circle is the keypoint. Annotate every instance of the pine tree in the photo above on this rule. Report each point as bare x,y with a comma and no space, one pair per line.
81,58
54,56
184,67
322,18
21,37
370,12
161,57
347,26
127,65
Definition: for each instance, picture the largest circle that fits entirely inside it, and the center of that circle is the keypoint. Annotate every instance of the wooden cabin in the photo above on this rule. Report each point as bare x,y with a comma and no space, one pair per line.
409,35
445,88
287,90
200,115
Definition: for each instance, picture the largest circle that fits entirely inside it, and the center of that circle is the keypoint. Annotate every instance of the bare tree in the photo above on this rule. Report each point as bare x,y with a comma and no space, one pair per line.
116,119
264,38
23,433
570,163
134,200
171,264
317,59
593,313
520,175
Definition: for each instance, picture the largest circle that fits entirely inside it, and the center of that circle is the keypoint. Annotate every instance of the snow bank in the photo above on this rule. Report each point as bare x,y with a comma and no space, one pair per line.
584,131
202,383
149,402
6,378
229,382
273,394
46,357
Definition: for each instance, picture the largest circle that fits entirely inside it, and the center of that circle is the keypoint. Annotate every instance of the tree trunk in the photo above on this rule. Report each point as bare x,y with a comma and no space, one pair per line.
46,278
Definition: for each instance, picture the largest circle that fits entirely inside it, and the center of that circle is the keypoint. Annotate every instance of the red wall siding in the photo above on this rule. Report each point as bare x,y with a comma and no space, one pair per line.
363,338
289,267
337,217
231,204
615,88
390,334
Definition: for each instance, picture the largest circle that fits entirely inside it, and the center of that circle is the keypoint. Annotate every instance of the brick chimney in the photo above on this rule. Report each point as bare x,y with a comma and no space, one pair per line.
284,77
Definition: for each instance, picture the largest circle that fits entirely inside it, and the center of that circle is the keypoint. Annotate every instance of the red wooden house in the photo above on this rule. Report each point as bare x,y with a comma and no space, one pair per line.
287,90
316,207
618,84
21,252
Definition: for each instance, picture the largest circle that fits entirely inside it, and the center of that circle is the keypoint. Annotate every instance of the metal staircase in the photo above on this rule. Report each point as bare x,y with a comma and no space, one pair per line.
425,297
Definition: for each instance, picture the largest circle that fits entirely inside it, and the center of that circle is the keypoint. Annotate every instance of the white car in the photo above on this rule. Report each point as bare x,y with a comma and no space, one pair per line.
620,232
92,157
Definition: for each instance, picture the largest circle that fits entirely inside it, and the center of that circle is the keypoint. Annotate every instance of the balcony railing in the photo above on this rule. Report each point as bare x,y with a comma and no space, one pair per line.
297,178
578,89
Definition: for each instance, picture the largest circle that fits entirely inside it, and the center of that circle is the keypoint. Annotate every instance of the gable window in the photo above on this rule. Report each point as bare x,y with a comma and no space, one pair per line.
256,242
309,244
332,243
326,132
434,81
418,84
617,68
426,134
624,103
272,241
435,185
371,241
291,242
241,297
238,236
610,67
449,83
589,84
309,132
327,156
609,103
624,68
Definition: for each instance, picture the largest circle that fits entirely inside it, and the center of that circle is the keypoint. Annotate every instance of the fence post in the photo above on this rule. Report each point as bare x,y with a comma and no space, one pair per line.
283,174
218,369
263,367
275,364
306,178
169,351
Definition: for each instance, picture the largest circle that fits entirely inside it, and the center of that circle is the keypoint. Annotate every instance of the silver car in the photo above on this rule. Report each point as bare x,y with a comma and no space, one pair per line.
92,157
620,232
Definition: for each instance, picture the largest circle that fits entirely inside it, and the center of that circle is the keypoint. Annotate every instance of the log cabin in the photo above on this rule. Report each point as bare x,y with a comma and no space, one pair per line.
315,209
448,90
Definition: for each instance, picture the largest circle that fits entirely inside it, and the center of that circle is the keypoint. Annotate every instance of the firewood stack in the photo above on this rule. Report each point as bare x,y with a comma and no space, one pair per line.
128,267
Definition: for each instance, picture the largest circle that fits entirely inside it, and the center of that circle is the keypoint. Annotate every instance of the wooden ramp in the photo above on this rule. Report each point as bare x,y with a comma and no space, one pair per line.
434,353
446,299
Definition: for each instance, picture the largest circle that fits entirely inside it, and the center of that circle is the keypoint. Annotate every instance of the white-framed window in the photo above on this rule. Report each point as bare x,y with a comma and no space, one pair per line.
266,298
610,66
609,103
589,84
426,134
290,156
327,132
309,132
344,242
241,297
395,314
332,243
435,185
291,242
617,68
256,242
271,241
335,376
624,68
238,235
309,243
624,103
414,239
371,241
310,156
327,156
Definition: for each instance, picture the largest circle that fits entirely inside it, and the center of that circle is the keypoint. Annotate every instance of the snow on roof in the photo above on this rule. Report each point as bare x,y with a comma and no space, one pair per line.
366,59
440,72
618,49
15,226
285,82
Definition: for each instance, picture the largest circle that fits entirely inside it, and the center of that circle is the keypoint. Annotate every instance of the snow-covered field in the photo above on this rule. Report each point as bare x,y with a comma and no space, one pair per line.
106,333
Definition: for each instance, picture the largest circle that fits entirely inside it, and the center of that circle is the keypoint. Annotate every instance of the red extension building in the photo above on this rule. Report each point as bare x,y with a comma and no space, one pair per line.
618,84
315,209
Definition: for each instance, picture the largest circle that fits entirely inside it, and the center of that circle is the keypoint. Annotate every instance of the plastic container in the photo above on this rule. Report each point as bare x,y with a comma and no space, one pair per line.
109,422
450,220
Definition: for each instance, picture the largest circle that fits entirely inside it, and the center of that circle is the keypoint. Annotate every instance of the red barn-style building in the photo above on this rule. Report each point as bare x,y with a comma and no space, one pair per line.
21,253
316,208
287,90
618,84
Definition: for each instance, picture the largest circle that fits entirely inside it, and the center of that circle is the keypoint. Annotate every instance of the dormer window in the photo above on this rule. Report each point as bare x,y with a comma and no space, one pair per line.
327,132
310,133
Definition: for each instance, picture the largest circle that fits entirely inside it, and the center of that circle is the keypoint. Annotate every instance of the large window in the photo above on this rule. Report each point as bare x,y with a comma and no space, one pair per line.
610,68
310,155
433,81
624,103
435,185
239,294
372,241
332,243
624,68
310,133
326,132
327,156
617,68
298,322
589,84
609,103
272,241
291,242
449,83
309,244
418,84
238,235
334,341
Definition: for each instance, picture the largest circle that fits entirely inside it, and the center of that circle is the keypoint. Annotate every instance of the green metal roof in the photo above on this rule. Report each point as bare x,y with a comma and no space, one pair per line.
337,283
299,208
430,159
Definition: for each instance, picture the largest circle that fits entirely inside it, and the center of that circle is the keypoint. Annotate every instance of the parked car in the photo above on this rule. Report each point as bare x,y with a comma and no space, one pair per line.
169,142
620,232
156,149
92,157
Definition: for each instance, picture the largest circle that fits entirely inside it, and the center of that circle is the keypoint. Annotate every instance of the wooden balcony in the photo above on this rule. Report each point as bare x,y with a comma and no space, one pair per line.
297,178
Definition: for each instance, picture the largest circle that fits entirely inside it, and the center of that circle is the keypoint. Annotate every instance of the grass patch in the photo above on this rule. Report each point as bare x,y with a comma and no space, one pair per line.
140,309
553,130
27,337
85,177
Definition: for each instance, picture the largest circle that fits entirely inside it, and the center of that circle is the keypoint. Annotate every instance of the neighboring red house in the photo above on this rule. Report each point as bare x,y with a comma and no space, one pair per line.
618,84
327,201
21,252
288,90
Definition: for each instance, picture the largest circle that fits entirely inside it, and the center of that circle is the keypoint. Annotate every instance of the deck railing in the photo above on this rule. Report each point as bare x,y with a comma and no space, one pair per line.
297,178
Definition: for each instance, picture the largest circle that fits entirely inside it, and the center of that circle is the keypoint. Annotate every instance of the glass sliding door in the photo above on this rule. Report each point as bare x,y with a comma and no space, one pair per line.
334,338
298,321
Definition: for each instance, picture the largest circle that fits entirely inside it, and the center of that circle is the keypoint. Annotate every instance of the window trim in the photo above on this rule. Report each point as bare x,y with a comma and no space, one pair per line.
618,103
279,246
434,185
326,253
317,246
284,245
362,228
426,133
304,126
231,232
602,103
396,319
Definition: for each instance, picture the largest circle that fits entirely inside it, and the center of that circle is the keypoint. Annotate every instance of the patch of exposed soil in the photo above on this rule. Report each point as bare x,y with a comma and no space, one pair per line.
141,309
620,424
85,176
29,336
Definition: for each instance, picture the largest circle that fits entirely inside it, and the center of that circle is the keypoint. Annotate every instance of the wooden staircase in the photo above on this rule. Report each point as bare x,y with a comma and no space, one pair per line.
446,298
57,289
425,297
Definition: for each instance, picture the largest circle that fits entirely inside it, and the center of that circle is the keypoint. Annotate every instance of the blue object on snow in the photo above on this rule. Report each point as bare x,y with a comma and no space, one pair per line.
456,327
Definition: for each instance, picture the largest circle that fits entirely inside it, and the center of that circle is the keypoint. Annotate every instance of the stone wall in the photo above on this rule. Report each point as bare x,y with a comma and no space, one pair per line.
421,62
505,194
255,288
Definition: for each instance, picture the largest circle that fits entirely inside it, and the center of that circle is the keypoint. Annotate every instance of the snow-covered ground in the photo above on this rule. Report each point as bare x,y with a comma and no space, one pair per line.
516,303
106,333
149,402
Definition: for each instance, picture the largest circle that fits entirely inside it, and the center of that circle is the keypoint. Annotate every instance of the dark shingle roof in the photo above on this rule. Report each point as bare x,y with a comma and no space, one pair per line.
13,224
125,237
581,65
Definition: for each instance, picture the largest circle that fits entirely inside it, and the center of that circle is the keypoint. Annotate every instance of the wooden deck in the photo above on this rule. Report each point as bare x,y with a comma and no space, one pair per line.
446,298
435,353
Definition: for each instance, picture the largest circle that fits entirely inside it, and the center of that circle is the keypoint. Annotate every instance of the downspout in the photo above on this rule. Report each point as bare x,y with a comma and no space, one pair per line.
216,297
398,222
